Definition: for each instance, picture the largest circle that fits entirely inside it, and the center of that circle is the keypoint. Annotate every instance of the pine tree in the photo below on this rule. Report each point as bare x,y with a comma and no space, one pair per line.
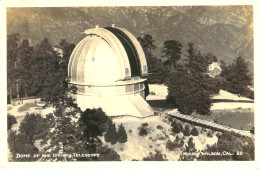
24,71
190,87
156,70
17,143
172,52
11,120
236,78
95,121
111,135
44,68
121,134
12,48
32,126
147,42
155,67
67,49
180,90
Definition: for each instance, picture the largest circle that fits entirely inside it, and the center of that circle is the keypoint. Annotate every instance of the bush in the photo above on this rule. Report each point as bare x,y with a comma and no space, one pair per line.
177,143
143,131
176,129
121,134
194,132
11,120
159,127
171,146
145,124
158,156
186,131
180,126
173,123
210,134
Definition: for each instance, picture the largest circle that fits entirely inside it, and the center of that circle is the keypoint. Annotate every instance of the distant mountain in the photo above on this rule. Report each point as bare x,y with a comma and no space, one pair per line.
225,31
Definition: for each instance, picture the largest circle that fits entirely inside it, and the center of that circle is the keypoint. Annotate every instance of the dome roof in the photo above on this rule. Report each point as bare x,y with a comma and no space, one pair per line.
106,56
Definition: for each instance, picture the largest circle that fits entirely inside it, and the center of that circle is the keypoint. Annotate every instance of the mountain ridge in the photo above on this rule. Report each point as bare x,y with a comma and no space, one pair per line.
225,31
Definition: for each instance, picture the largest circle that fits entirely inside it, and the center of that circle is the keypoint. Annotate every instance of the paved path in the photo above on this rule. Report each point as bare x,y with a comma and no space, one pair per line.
207,124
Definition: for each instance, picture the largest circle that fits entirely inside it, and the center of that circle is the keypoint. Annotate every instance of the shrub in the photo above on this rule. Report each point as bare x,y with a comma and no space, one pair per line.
143,131
121,134
145,124
180,126
173,123
11,120
177,138
158,156
159,127
177,143
171,145
176,129
130,131
194,132
186,131
210,134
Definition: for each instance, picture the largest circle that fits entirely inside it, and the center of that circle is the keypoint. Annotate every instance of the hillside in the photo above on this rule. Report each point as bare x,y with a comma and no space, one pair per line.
226,31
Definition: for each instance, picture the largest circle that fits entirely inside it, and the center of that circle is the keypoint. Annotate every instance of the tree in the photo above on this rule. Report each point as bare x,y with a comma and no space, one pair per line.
147,42
25,73
157,72
12,48
180,90
172,52
190,87
44,68
121,134
17,144
65,135
237,78
111,135
155,66
32,126
95,122
11,120
231,143
67,49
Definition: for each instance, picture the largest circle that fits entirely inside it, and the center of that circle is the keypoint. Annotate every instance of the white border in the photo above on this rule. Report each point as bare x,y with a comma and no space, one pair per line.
122,165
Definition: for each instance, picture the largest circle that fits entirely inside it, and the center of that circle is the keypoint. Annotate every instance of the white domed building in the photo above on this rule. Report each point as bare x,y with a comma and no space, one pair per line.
109,69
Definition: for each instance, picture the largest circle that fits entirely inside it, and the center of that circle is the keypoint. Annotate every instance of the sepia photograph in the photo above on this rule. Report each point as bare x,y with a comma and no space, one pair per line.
130,83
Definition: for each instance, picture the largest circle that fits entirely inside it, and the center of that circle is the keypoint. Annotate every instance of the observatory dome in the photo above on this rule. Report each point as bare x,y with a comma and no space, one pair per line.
109,69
